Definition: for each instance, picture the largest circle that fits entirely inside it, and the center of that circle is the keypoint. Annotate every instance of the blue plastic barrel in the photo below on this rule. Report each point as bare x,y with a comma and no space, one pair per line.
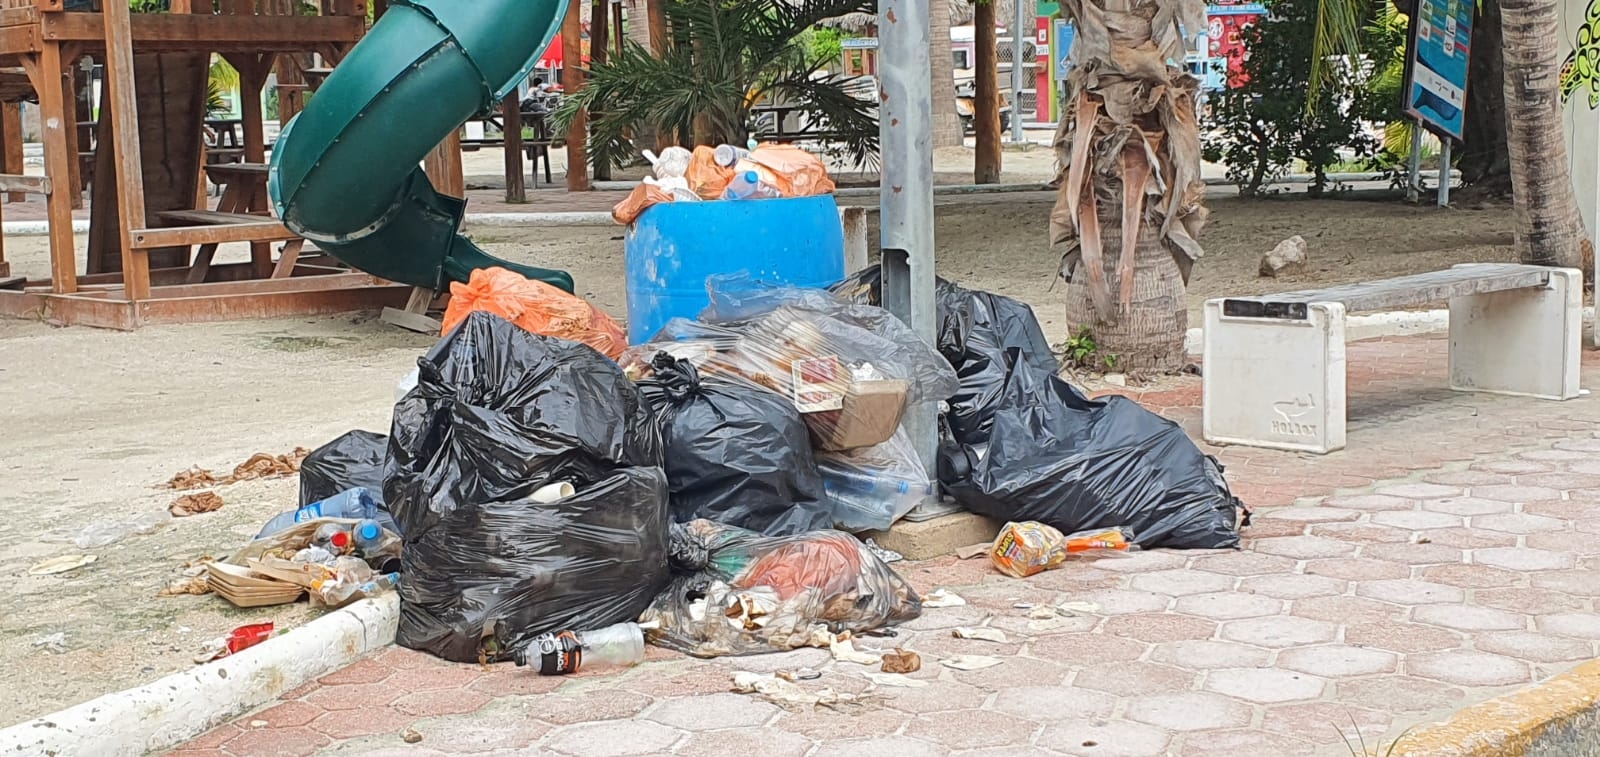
673,247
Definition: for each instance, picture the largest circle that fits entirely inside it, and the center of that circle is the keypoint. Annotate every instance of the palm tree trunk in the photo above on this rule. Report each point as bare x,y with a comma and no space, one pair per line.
986,102
947,131
1549,228
1148,338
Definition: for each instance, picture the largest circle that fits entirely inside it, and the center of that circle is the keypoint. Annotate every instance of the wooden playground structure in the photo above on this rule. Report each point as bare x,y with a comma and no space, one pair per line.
153,237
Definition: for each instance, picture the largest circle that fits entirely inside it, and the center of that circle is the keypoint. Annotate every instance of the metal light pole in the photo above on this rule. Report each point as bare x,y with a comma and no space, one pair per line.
905,121
1017,67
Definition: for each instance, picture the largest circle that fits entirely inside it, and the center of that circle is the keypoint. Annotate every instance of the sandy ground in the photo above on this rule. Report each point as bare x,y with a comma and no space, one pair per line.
94,420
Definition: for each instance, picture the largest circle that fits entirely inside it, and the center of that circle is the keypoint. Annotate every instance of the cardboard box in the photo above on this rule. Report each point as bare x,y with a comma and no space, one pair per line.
872,411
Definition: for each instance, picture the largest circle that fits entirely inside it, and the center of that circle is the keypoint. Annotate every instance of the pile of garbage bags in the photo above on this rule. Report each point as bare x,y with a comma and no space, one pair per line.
540,478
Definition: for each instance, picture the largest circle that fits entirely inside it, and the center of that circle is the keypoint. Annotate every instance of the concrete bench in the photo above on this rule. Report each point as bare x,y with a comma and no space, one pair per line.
1274,373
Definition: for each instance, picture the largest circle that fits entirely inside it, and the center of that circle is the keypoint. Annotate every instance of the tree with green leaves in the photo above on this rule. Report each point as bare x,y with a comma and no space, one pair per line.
725,57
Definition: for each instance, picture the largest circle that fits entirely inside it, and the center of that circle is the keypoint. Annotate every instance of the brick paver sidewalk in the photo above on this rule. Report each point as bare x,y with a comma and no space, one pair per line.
1451,554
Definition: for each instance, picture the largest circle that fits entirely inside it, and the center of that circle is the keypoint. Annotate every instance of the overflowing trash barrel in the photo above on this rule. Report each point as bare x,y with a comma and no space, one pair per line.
672,247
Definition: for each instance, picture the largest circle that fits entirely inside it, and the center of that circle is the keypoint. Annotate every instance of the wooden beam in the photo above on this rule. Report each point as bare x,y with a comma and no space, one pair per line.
511,120
69,89
204,31
253,71
19,16
45,73
571,82
444,168
39,185
179,236
14,161
123,101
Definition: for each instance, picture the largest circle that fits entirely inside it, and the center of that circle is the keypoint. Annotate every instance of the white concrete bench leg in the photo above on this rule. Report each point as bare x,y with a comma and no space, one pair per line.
1523,341
1275,383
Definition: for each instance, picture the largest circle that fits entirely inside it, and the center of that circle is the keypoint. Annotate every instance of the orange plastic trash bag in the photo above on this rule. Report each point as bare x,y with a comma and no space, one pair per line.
536,307
637,202
791,170
706,177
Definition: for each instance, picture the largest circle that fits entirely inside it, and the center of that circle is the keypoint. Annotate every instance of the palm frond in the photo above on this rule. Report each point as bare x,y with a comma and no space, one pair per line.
1338,35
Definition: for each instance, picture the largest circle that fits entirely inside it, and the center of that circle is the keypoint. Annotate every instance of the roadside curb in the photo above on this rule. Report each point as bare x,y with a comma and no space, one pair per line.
172,710
1512,724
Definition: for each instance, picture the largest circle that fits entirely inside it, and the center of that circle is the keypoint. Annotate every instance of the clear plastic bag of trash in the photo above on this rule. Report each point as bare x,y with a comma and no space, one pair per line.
734,592
872,487
106,532
735,453
499,414
815,356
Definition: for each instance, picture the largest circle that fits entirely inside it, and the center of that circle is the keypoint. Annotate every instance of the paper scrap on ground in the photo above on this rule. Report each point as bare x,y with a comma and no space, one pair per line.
845,650
970,662
973,551
1079,607
895,680
194,504
61,564
786,694
901,661
942,598
981,634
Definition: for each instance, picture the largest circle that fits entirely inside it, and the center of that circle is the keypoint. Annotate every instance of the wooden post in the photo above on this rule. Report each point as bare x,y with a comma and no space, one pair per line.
77,109
511,119
444,168
616,26
125,141
599,34
45,73
571,82
655,12
986,100
253,69
11,135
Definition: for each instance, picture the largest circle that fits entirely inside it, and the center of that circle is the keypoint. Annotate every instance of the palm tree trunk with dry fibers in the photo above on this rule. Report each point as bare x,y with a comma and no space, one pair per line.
1549,227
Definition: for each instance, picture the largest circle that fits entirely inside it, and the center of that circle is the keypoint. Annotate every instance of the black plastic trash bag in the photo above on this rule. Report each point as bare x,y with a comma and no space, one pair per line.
1056,457
498,417
735,453
355,460
735,592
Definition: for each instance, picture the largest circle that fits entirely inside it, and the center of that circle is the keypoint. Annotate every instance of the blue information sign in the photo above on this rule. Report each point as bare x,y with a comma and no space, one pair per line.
1065,32
1436,65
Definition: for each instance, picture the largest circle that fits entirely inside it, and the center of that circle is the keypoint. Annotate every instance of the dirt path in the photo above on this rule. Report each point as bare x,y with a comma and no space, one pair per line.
94,419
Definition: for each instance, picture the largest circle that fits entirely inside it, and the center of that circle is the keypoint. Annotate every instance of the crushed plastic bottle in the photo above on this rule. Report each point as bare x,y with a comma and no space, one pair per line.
342,591
377,545
866,499
332,537
353,504
104,532
566,652
727,155
748,186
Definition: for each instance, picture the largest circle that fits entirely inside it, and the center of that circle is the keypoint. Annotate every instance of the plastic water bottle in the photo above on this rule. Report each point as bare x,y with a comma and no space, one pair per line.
748,186
864,501
563,653
727,155
331,537
380,546
353,504
342,591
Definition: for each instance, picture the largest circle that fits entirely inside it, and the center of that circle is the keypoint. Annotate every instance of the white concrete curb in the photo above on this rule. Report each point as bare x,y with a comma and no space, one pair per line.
170,711
1376,326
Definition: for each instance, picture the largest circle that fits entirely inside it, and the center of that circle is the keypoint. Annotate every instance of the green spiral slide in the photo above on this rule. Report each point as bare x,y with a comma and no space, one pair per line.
345,172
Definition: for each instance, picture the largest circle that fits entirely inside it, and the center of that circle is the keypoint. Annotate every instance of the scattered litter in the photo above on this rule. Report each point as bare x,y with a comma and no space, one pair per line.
1024,606
263,465
883,553
105,532
788,694
901,661
62,564
195,504
186,585
1079,607
55,643
238,640
845,651
943,598
1044,612
410,736
259,724
890,679
803,674
1420,539
970,662
973,551
1024,549
981,634
195,477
